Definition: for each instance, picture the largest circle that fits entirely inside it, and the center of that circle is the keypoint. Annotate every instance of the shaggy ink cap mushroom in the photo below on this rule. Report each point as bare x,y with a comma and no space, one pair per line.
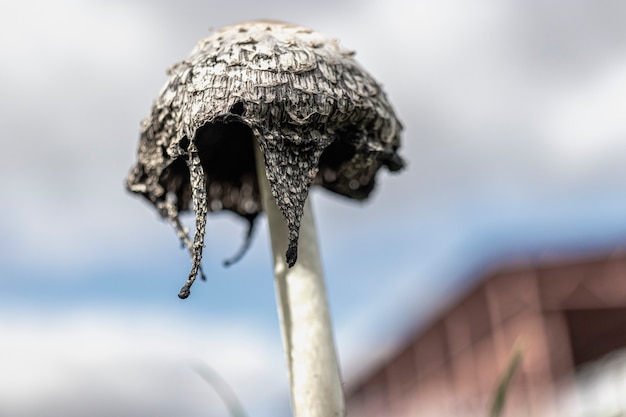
317,116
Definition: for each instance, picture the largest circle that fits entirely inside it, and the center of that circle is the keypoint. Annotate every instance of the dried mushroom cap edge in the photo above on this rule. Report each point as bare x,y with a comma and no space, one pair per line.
279,148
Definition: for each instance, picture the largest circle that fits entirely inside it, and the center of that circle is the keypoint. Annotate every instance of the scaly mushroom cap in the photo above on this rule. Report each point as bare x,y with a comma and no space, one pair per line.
316,114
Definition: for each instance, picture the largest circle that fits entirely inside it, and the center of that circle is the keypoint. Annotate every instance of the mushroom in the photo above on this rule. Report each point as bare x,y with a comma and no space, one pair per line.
257,114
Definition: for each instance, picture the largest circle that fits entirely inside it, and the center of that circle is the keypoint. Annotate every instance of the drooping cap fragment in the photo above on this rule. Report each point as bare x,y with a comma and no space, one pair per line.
317,116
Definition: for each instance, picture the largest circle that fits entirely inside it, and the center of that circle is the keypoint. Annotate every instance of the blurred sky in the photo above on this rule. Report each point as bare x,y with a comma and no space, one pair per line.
515,134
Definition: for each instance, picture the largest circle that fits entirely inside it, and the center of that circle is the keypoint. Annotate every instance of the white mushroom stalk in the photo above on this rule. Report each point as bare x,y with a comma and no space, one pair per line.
308,340
257,114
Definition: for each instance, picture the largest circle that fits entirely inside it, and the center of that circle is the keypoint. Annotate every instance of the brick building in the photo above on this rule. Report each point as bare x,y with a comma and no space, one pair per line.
564,314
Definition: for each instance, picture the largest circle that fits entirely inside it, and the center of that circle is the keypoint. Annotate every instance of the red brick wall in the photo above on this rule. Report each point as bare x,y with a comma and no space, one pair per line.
451,368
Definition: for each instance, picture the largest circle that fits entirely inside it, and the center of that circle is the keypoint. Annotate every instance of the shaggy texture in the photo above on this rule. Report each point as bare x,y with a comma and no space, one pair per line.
317,116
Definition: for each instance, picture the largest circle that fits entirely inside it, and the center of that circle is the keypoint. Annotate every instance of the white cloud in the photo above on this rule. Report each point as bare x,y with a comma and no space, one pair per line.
586,121
41,37
102,364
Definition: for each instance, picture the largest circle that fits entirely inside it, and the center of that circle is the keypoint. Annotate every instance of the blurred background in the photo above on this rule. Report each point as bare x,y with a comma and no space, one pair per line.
515,136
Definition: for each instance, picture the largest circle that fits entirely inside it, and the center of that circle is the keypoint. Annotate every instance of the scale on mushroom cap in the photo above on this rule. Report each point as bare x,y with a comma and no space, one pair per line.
316,115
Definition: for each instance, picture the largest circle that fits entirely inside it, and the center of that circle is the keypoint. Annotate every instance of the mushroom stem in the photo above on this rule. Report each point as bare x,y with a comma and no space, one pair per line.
306,328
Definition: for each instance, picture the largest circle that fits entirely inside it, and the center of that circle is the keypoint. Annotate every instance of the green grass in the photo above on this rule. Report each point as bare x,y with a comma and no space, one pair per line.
499,399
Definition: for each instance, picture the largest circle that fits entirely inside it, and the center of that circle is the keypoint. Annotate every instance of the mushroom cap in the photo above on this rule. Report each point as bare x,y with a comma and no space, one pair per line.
318,117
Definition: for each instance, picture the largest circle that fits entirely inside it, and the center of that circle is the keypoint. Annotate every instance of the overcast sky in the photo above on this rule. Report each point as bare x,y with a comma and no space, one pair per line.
516,141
